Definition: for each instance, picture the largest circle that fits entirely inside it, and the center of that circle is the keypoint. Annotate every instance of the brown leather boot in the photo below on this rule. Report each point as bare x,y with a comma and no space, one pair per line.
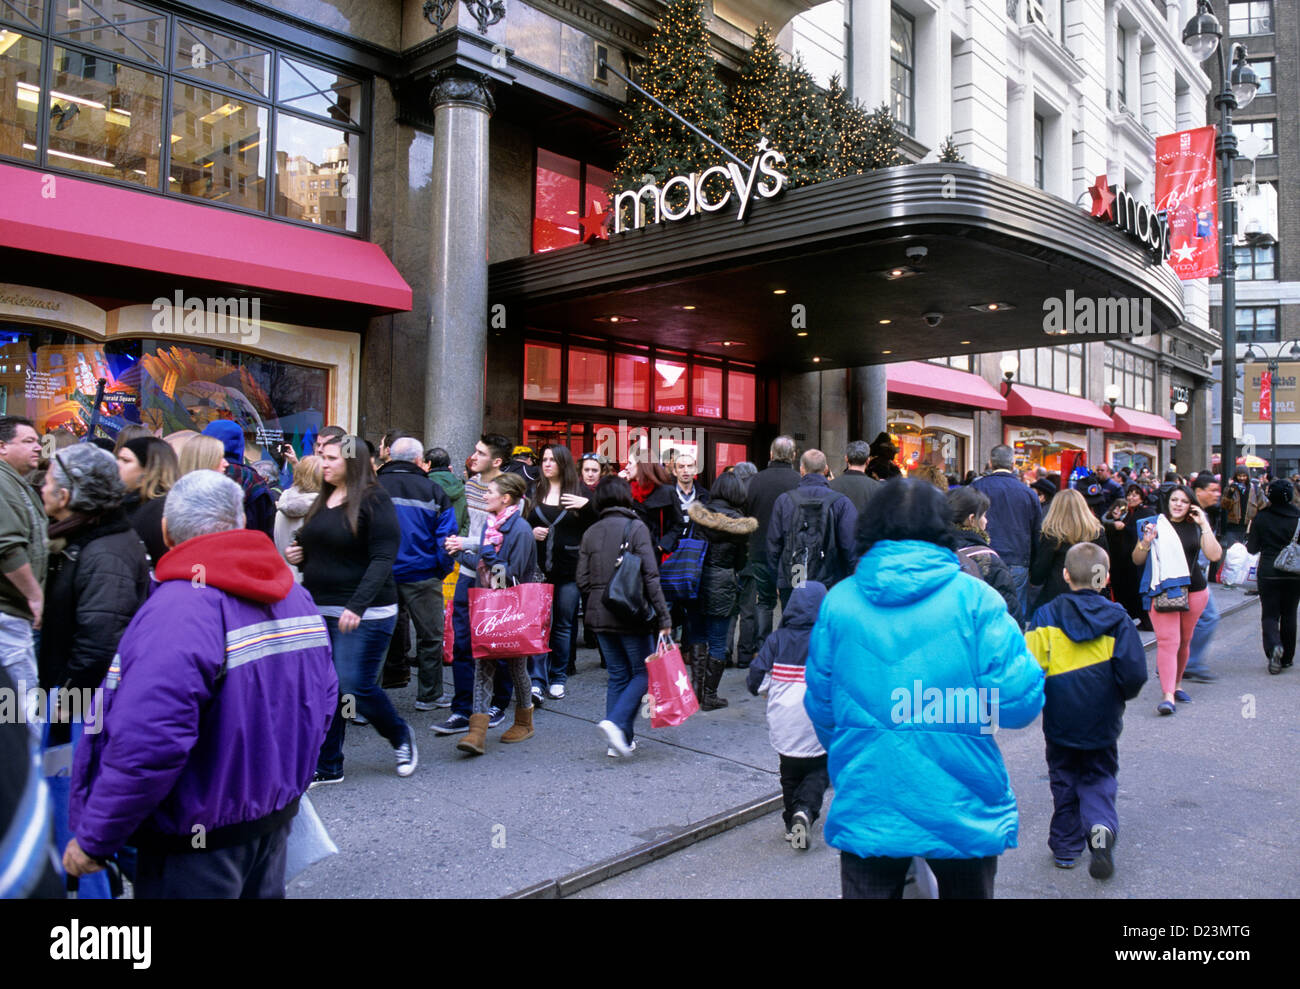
523,726
475,741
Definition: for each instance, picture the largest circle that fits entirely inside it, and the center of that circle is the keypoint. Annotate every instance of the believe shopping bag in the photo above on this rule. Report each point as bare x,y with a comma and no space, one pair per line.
673,700
448,633
510,621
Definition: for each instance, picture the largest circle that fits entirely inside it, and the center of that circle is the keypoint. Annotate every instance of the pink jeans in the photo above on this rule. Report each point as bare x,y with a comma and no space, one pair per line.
1174,639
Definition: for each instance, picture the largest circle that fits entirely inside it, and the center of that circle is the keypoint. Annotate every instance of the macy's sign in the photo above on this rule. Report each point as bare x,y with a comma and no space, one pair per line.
684,195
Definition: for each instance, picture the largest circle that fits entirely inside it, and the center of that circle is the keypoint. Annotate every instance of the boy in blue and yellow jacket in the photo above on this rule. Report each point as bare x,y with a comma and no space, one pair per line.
1094,662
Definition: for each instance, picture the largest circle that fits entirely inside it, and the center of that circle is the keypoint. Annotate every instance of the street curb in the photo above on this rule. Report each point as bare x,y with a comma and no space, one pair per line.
555,889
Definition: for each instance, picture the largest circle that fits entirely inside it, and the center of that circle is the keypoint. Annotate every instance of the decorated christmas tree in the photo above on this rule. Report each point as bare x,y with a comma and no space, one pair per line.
802,130
948,151
883,140
865,140
756,100
679,70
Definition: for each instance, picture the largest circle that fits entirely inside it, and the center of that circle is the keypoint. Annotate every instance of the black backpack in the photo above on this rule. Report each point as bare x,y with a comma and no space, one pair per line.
810,541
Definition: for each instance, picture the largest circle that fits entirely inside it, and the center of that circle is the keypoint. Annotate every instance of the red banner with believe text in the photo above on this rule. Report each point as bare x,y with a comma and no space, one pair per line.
1187,193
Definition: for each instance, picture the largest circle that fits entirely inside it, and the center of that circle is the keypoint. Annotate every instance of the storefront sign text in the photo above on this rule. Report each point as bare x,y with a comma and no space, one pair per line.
668,204
30,302
1132,217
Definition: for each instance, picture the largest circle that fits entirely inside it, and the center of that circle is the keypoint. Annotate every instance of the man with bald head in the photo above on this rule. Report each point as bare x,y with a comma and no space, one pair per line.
813,531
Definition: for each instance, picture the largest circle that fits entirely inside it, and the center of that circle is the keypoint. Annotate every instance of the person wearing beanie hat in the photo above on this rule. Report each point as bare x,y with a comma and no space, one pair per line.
881,466
259,505
1276,525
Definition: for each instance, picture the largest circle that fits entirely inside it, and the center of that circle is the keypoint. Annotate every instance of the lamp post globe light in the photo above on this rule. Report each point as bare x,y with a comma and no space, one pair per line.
1009,365
1111,395
1253,357
1237,88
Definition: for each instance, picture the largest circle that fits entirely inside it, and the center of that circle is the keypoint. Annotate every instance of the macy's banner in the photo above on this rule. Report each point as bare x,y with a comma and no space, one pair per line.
1187,193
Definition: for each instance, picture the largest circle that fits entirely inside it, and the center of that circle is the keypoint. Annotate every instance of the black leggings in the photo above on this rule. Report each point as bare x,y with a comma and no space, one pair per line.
883,878
1278,599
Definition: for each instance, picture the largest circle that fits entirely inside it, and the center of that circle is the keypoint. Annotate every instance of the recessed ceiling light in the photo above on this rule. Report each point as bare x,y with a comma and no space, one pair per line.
802,333
965,342
898,271
886,351
817,360
614,318
778,291
885,322
688,307
993,307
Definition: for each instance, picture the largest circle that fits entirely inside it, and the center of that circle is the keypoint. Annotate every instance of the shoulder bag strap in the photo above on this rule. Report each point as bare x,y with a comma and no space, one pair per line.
1295,536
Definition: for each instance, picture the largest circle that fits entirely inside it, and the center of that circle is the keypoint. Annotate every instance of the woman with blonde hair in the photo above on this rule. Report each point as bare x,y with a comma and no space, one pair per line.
1068,521
295,503
203,453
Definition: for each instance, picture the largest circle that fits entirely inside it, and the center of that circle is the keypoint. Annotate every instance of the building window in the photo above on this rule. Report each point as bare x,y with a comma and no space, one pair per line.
1054,368
961,362
1256,263
1121,67
569,198
1038,152
1135,376
1264,69
1250,17
1257,324
1261,133
148,98
902,78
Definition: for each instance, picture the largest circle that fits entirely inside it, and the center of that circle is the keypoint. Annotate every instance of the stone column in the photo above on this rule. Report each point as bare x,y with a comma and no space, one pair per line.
868,399
458,236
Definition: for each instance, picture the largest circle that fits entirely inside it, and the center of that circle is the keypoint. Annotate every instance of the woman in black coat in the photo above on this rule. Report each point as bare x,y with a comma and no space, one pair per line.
726,528
1069,520
1122,534
968,508
148,468
1279,592
624,647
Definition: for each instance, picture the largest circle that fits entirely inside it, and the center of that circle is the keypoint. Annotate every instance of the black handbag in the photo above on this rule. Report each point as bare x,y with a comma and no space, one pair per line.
624,596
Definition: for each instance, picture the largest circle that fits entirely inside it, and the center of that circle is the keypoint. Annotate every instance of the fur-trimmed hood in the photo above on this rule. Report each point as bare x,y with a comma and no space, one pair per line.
737,525
294,503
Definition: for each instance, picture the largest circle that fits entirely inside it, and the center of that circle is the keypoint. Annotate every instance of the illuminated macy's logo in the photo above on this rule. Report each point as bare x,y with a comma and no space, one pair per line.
685,195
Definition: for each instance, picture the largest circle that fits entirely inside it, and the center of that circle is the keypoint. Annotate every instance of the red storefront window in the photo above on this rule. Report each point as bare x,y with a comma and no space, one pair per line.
595,199
631,382
729,454
541,372
539,433
556,202
741,390
587,376
707,391
670,385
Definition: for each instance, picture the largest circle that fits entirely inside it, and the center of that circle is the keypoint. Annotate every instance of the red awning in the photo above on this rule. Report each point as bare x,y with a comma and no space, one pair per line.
1142,424
1035,403
946,384
92,221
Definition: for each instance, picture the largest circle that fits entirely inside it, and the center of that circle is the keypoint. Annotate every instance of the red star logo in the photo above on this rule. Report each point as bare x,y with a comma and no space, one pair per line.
593,224
1102,199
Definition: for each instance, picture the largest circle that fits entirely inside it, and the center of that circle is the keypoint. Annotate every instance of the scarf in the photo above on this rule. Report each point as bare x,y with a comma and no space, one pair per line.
1166,567
980,533
642,491
492,534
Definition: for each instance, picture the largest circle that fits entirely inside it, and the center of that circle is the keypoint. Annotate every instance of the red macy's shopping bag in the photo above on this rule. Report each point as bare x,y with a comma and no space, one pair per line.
510,621
448,634
670,687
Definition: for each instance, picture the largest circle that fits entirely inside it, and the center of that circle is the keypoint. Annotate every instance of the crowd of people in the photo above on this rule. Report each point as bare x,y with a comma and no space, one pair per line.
168,570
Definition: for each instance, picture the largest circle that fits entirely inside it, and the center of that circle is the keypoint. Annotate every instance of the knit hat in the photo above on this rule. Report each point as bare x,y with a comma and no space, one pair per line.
140,448
1280,492
231,435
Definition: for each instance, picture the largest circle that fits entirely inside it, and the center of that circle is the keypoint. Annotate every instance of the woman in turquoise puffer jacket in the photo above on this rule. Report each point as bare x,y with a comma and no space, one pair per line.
912,666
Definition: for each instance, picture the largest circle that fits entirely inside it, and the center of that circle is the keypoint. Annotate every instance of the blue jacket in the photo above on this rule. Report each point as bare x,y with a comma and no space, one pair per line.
1015,517
426,516
1094,662
901,668
518,551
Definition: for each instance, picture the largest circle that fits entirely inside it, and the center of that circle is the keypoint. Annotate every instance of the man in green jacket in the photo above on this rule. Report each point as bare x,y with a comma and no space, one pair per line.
23,552
437,462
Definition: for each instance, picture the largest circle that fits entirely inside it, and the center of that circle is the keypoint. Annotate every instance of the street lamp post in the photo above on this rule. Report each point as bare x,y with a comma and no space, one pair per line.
1202,36
1272,360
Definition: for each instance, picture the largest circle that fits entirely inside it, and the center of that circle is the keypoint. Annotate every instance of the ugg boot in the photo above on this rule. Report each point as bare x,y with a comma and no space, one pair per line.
475,741
709,700
523,726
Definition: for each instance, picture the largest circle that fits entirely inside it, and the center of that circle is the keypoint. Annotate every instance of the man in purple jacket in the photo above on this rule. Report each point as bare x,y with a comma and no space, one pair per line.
215,708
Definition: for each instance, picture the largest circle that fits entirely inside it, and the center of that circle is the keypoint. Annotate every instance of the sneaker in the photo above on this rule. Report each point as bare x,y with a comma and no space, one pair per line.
556,691
614,755
789,836
426,705
443,702
359,720
800,828
496,715
325,779
1275,660
408,756
1100,842
1065,863
1200,677
539,698
453,725
1166,707
615,736
1182,697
